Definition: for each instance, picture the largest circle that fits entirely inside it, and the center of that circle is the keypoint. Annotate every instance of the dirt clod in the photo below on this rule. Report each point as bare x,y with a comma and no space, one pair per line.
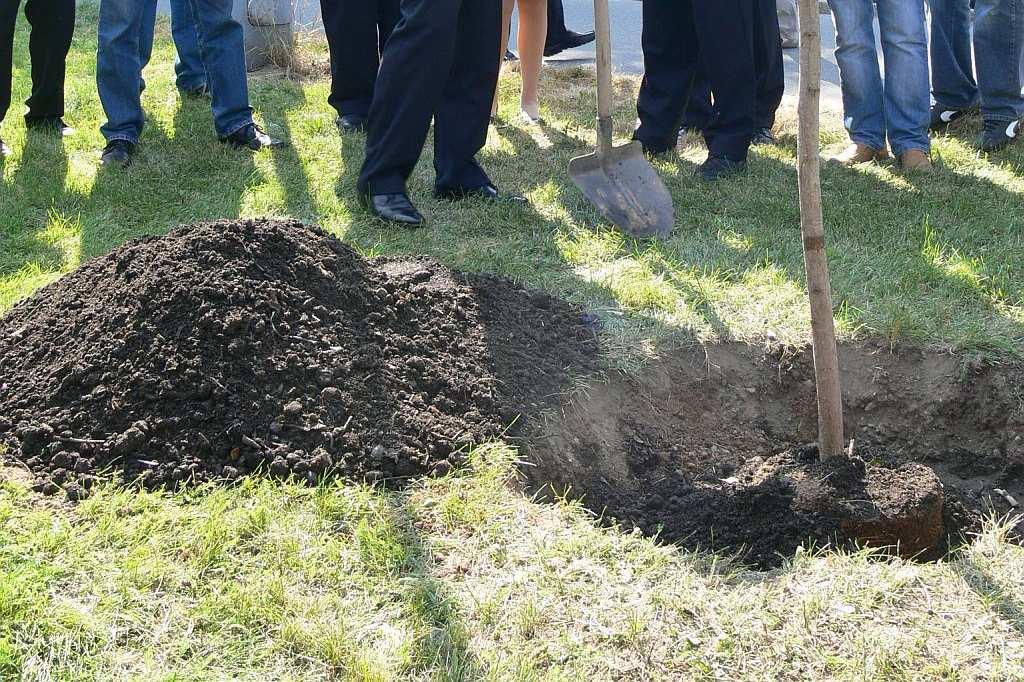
228,348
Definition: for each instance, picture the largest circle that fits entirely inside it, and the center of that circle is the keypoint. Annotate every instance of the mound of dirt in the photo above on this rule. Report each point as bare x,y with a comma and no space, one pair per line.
228,348
770,507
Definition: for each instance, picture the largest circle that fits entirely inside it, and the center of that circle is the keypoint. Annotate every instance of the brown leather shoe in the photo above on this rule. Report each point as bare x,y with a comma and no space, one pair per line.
859,153
915,160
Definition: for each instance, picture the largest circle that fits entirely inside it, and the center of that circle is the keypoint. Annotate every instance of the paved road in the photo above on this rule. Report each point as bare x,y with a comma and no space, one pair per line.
628,58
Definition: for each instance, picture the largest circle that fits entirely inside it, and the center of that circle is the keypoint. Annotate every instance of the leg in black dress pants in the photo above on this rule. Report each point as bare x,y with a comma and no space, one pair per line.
771,69
771,75
53,26
357,31
441,63
683,39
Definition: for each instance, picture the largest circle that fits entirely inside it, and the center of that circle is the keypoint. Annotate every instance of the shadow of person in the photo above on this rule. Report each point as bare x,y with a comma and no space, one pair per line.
32,202
997,594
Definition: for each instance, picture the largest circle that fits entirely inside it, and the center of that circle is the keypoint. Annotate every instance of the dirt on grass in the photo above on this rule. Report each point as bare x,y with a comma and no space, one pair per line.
228,348
706,450
232,348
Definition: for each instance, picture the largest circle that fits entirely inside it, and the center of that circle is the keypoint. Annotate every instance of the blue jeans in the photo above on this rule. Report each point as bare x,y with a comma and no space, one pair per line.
188,61
998,49
124,49
898,107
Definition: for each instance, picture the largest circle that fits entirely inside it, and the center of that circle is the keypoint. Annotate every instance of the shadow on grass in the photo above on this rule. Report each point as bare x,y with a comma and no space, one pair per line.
1003,599
31,201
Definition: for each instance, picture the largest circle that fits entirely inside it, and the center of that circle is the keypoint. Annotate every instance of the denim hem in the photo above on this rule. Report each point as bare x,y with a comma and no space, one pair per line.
860,139
122,137
1001,119
236,128
927,149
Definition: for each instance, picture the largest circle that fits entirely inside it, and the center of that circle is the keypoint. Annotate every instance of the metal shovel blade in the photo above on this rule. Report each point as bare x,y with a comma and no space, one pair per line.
627,191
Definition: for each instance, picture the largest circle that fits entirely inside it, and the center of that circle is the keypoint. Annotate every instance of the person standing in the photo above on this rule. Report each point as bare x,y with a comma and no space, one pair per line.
789,23
189,70
682,38
357,32
559,37
895,108
441,63
533,31
124,49
771,80
999,54
53,26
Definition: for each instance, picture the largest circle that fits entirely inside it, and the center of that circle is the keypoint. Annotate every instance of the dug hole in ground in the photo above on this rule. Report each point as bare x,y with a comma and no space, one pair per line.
271,348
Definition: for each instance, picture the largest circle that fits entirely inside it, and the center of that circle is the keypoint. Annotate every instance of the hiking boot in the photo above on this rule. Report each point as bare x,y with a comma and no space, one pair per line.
915,160
718,167
942,116
251,137
999,134
858,153
763,136
118,153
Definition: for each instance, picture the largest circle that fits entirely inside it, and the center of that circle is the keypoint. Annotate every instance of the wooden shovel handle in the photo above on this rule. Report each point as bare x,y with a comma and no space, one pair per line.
602,27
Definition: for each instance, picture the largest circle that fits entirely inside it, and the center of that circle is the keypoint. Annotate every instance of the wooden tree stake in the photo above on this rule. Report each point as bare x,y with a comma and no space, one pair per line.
826,357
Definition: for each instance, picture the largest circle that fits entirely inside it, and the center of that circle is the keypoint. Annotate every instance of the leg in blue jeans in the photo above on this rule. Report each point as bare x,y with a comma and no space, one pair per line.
999,49
188,62
125,27
222,46
953,84
907,86
861,78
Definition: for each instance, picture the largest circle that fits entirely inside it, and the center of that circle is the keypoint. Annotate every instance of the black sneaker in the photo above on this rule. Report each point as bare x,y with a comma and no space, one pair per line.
999,134
718,167
942,116
5,151
118,153
763,136
251,137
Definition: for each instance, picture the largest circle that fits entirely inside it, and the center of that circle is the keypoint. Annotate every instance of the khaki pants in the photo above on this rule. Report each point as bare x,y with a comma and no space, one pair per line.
788,23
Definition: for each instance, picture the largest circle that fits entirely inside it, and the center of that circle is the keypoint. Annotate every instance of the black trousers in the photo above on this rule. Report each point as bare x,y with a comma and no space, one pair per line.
357,31
683,39
53,25
441,63
556,22
771,75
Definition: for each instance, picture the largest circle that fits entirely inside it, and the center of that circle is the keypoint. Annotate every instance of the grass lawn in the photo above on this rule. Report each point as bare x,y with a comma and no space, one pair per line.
463,578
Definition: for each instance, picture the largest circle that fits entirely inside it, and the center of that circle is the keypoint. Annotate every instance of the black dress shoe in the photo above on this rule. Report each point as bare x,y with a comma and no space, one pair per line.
251,137
484,192
351,123
393,208
50,125
571,40
763,136
718,167
5,151
118,153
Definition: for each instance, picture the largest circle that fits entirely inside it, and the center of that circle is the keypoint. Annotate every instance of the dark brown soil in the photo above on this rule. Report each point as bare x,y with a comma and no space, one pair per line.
233,347
705,449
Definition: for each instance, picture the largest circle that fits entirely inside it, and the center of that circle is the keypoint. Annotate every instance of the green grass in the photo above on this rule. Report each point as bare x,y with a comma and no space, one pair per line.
463,578
934,260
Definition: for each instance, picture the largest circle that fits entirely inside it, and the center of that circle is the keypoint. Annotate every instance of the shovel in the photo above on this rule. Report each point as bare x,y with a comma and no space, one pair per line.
619,181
